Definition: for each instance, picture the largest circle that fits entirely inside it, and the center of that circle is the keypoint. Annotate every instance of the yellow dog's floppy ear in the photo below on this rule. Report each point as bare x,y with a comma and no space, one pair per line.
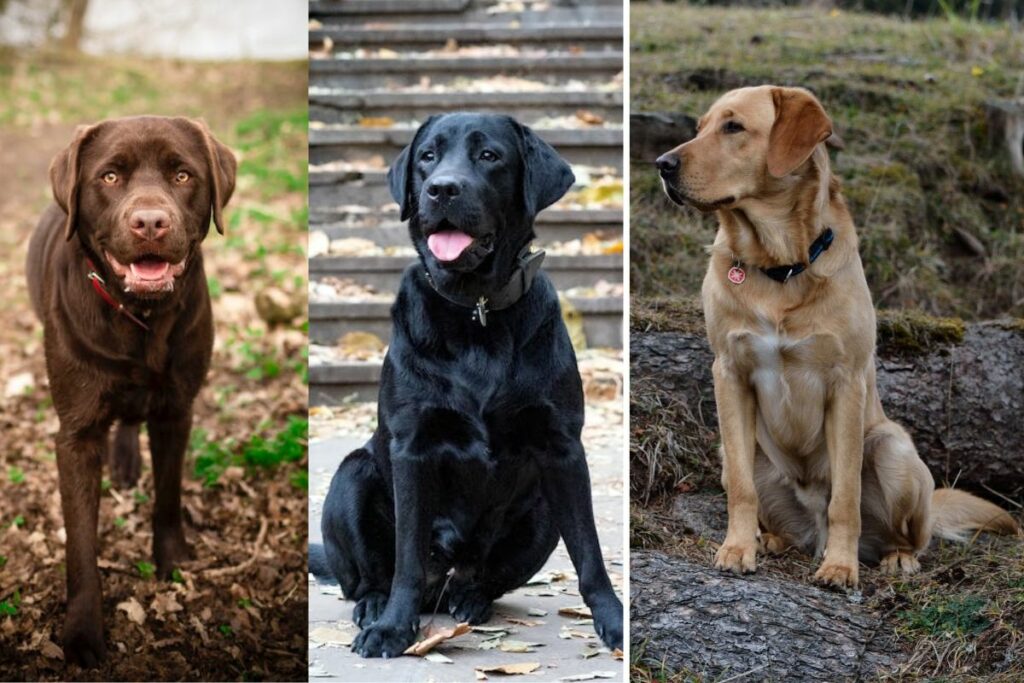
223,168
64,178
801,124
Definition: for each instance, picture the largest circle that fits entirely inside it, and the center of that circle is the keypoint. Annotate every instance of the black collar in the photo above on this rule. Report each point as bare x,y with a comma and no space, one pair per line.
818,247
527,264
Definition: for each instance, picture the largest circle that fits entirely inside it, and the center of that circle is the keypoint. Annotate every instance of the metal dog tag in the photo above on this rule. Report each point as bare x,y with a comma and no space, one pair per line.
480,315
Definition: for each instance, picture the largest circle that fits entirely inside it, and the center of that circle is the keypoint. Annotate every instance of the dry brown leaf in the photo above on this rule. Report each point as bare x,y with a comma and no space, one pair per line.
576,611
376,122
517,669
435,637
589,117
325,635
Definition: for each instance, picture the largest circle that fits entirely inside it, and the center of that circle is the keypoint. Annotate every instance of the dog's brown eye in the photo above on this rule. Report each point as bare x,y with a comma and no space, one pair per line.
182,177
109,177
730,127
427,156
488,155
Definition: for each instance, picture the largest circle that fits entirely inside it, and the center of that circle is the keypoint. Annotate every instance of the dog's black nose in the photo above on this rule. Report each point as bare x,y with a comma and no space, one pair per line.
443,188
667,164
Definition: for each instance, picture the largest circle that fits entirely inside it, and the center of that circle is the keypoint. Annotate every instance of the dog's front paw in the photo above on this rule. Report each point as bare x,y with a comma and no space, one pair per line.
468,604
83,638
900,562
170,550
608,622
838,573
369,608
384,640
738,558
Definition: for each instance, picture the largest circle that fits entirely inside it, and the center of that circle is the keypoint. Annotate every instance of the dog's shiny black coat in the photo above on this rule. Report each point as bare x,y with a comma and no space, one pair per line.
477,463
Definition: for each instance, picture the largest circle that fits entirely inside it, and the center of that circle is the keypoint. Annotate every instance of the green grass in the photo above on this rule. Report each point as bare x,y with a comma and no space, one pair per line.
908,99
146,570
285,447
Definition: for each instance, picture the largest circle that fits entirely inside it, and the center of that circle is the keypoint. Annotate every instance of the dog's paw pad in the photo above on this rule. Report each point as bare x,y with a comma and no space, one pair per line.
381,640
772,544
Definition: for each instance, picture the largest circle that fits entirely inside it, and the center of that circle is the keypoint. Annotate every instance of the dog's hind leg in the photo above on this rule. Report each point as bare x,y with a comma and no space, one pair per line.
896,494
359,535
123,456
512,561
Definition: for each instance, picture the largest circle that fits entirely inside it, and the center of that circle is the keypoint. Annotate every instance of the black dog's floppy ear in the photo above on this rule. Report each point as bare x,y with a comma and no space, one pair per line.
400,175
546,176
223,169
64,177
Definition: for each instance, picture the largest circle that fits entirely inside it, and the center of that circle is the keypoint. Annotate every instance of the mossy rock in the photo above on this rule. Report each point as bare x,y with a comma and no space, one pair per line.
914,332
683,314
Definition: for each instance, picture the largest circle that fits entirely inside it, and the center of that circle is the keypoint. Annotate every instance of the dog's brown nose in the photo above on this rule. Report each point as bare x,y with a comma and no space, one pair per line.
667,164
150,224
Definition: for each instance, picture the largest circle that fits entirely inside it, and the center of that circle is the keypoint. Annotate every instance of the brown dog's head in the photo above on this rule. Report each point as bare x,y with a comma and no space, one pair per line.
140,192
747,145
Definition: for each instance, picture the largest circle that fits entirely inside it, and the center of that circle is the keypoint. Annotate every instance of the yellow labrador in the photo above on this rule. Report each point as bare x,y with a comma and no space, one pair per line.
809,457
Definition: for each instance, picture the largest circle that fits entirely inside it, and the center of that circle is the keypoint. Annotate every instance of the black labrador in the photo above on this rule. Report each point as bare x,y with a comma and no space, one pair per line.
476,467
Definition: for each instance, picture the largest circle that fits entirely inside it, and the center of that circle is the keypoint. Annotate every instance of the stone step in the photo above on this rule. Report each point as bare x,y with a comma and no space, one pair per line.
588,147
367,188
381,74
334,384
472,15
576,35
383,273
602,320
347,108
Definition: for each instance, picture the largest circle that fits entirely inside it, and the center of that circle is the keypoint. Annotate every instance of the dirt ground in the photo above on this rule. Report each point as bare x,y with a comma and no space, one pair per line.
238,610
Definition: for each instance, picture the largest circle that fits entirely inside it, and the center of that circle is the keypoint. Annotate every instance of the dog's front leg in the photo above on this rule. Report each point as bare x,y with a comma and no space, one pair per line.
567,489
737,424
80,467
168,438
398,625
844,434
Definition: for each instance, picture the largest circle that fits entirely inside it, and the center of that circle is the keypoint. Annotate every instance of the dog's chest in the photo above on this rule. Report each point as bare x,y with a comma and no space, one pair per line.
791,375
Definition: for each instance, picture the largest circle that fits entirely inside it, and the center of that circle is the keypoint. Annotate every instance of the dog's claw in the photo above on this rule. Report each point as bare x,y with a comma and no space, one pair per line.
900,562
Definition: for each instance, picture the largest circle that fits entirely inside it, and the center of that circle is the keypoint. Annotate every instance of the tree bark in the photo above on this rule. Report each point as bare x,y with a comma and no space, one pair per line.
963,403
693,618
75,10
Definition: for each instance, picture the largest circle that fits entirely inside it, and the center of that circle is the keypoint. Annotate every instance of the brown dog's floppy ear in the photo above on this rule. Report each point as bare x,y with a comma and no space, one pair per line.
64,178
401,173
223,168
546,176
801,124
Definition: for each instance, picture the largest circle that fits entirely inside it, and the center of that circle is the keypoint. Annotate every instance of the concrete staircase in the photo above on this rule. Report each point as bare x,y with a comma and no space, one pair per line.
395,62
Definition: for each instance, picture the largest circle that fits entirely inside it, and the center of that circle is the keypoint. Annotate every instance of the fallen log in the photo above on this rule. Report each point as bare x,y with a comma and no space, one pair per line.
689,617
958,388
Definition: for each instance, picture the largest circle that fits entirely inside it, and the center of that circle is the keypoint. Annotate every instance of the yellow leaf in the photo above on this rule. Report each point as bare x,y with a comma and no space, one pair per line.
977,71
376,122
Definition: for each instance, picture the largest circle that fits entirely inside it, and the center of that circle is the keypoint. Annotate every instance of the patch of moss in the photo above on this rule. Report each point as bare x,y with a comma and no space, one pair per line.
909,331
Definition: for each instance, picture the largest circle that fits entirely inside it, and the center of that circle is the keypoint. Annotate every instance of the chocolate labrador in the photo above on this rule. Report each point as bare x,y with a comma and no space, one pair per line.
476,467
115,273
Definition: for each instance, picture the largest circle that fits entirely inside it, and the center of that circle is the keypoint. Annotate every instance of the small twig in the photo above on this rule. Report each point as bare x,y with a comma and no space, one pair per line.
1008,500
238,568
743,674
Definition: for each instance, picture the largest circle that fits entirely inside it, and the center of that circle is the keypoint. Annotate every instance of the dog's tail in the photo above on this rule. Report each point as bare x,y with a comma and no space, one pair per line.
318,566
956,515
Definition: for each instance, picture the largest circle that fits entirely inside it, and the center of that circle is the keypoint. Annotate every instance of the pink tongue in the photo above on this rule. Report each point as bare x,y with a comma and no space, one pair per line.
150,270
449,244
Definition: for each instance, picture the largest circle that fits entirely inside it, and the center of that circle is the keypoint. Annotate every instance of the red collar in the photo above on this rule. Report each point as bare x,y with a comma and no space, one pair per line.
97,284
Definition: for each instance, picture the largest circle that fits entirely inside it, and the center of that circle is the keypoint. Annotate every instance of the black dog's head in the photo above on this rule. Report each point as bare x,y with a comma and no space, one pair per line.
471,185
140,192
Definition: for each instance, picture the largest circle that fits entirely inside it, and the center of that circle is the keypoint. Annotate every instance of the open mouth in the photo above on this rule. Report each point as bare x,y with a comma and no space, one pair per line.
147,274
448,243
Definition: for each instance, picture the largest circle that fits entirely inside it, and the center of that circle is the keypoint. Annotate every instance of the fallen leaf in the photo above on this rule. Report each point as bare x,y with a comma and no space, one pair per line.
134,610
51,650
509,669
325,635
578,611
438,658
435,638
518,646
376,122
589,677
537,612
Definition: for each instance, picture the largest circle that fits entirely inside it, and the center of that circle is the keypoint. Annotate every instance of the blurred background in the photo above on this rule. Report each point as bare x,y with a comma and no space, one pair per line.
377,71
928,98
239,610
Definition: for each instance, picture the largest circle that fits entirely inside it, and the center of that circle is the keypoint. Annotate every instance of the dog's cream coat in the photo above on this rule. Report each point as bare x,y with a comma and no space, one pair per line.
809,457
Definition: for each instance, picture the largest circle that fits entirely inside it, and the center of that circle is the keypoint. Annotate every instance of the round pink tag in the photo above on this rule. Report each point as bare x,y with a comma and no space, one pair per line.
737,275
